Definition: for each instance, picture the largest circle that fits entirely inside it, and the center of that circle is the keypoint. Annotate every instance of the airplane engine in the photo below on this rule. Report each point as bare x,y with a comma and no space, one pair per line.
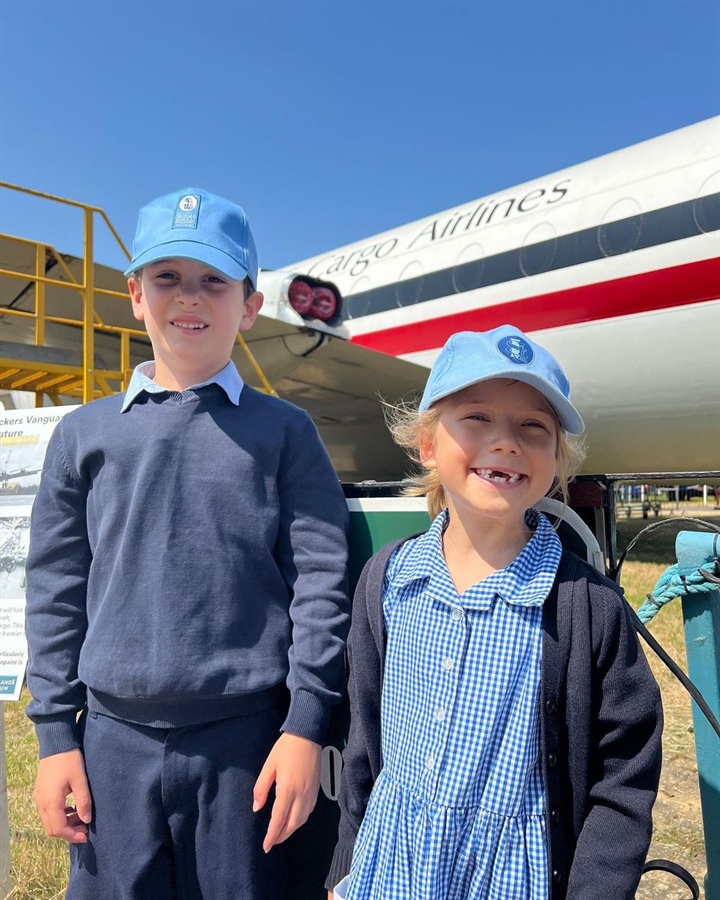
302,300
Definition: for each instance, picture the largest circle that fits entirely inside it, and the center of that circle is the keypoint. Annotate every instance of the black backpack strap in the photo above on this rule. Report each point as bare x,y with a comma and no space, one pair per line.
370,586
377,565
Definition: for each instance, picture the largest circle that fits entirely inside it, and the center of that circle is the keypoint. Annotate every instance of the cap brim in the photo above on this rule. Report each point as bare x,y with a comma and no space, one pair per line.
209,256
570,418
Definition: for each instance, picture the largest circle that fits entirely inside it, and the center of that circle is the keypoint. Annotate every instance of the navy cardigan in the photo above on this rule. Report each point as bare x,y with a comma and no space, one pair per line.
601,727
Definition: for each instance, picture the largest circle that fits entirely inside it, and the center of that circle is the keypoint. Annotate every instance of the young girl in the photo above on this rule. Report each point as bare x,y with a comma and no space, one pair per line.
505,731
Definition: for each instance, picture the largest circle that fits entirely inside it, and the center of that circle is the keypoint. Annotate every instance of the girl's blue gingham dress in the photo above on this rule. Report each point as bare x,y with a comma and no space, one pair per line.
458,811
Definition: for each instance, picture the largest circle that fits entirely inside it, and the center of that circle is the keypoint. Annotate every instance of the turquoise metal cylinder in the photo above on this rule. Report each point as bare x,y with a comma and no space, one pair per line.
701,618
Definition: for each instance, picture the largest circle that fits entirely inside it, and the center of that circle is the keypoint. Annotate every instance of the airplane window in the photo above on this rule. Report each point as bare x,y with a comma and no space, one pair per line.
621,227
358,306
409,286
468,272
538,251
706,208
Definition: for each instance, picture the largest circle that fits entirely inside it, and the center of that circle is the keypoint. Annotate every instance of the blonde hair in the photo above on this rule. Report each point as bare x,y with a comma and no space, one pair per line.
409,428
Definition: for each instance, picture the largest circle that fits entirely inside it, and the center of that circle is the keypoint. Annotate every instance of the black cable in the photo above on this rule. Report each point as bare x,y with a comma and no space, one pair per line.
664,865
665,523
647,635
676,670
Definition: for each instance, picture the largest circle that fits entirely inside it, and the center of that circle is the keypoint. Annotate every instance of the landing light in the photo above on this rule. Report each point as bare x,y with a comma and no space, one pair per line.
313,301
324,303
300,295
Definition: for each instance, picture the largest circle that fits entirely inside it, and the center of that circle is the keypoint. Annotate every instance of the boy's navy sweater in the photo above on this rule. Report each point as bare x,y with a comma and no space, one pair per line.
187,557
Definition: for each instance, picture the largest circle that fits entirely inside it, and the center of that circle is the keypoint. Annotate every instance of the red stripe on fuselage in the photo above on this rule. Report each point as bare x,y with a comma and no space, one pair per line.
662,289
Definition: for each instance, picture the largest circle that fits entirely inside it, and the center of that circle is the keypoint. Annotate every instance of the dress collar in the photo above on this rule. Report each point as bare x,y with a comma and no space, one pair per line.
526,581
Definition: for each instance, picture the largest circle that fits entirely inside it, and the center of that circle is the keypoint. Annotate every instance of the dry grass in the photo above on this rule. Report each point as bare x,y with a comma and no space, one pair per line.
39,865
678,834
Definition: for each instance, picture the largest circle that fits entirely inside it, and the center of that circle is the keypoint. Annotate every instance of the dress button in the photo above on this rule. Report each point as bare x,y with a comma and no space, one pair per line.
456,615
550,706
440,714
557,876
447,663
430,761
552,760
555,816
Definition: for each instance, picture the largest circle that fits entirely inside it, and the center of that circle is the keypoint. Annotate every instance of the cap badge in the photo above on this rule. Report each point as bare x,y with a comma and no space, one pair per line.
186,212
517,350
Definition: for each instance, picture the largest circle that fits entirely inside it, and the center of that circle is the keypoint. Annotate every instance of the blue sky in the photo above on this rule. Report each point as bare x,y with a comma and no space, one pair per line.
330,121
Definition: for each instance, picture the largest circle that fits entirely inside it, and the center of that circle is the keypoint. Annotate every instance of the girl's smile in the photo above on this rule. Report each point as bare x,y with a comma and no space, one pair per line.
501,477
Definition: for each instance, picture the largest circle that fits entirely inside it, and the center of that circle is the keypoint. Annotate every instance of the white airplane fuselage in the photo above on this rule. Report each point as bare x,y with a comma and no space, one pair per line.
612,265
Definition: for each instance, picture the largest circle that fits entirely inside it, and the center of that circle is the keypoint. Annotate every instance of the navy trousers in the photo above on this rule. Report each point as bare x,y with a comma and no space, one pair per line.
172,812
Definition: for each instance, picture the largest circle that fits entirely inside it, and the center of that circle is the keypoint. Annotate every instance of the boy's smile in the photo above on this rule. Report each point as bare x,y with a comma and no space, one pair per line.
189,324
192,315
494,450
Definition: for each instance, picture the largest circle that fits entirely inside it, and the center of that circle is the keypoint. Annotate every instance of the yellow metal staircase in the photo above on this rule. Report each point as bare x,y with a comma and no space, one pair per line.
66,326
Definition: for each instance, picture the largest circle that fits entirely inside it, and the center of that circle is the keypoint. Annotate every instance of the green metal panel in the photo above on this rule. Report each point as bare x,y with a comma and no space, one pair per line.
374,522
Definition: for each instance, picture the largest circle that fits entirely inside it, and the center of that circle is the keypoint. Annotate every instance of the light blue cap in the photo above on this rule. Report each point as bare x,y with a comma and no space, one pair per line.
473,356
194,224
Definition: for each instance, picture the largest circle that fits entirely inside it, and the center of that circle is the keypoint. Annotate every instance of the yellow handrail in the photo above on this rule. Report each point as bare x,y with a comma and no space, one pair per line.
55,379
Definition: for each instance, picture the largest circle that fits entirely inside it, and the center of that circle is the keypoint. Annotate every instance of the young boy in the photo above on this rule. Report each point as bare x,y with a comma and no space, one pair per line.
186,599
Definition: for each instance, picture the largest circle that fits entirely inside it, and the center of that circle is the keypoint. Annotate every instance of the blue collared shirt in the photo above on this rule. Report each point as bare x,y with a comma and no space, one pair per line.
228,379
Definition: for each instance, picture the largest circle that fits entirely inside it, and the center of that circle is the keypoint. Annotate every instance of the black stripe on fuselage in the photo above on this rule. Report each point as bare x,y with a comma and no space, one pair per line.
649,229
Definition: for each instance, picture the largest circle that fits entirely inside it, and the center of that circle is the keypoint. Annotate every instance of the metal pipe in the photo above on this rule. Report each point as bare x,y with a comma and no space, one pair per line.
88,310
39,296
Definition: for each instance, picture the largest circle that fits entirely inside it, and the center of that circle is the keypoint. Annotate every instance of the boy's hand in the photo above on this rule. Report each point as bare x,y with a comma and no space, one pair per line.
294,766
58,776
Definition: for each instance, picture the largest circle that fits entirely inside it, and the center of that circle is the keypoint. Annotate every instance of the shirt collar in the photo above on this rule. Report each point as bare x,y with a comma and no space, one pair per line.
228,379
